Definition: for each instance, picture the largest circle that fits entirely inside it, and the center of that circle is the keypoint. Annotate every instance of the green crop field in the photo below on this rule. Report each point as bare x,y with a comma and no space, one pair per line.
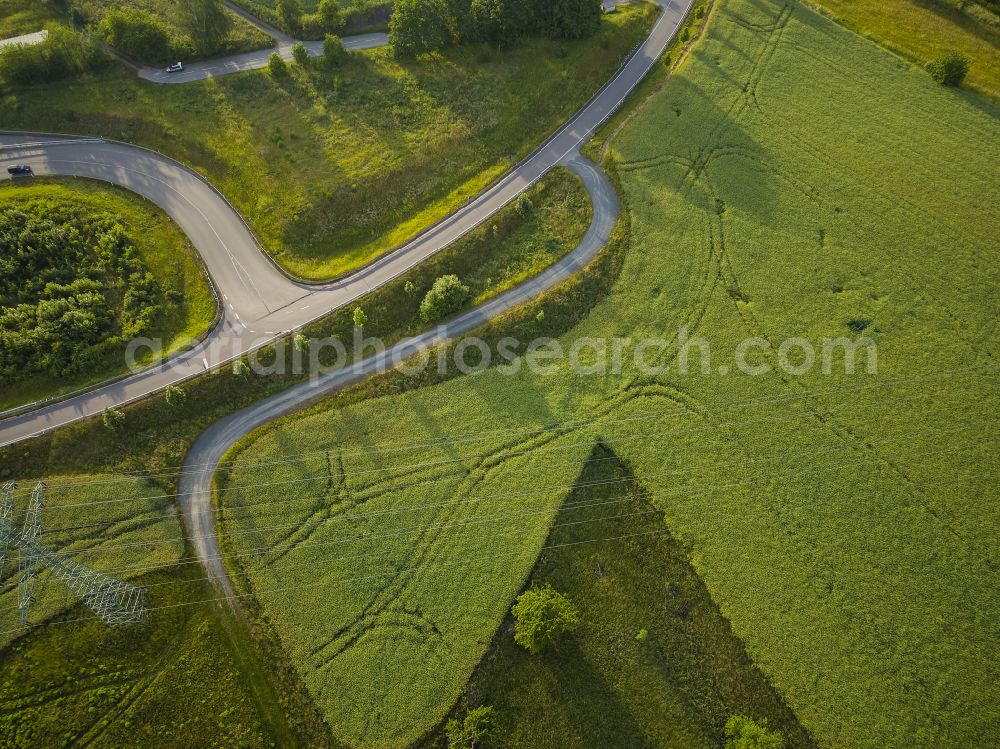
333,169
927,29
792,179
185,301
607,685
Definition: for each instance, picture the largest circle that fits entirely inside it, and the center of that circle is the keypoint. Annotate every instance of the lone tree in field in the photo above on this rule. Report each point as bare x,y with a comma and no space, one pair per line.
447,295
542,615
478,725
359,317
745,733
421,26
206,22
949,70
290,13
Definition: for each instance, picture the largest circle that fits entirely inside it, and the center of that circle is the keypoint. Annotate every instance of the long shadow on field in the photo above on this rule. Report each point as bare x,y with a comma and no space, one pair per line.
604,686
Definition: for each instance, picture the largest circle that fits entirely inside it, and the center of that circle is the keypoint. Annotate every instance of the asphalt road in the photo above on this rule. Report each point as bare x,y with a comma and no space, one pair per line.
200,464
260,302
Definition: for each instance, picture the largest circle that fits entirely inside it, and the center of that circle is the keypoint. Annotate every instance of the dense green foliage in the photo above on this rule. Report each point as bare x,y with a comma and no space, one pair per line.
83,269
421,26
334,52
541,616
71,288
792,179
136,34
380,150
478,725
447,296
604,687
949,70
424,26
193,28
63,54
746,733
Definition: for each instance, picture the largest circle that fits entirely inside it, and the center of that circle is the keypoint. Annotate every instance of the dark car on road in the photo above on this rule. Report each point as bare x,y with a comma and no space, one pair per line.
19,170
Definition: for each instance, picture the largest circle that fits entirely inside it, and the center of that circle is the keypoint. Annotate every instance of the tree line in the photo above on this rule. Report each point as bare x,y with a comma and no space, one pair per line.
425,26
72,289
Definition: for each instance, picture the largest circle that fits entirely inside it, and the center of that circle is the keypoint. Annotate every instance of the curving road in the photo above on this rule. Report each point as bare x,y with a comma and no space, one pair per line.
259,301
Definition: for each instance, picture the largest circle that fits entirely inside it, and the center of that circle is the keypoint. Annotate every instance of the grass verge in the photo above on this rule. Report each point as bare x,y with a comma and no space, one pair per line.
332,169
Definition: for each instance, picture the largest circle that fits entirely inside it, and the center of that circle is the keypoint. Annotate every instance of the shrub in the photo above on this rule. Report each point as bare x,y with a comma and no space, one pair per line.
745,733
330,15
240,368
524,207
290,13
300,343
113,419
136,34
300,54
409,288
176,396
334,52
542,615
277,66
359,317
950,69
446,296
478,724
421,26
63,54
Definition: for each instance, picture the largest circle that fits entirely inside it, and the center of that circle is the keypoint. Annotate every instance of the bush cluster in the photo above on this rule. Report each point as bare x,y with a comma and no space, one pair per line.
63,54
72,288
425,26
136,34
950,69
447,296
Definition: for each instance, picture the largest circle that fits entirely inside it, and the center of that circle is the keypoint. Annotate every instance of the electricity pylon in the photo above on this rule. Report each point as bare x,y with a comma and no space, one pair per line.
114,601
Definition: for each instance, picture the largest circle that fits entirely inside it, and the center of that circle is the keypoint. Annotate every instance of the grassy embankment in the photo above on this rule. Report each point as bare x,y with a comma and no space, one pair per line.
607,685
28,16
186,299
333,169
923,30
793,179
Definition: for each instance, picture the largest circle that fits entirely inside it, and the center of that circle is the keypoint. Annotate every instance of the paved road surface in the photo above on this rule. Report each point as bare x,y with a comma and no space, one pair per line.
195,488
259,301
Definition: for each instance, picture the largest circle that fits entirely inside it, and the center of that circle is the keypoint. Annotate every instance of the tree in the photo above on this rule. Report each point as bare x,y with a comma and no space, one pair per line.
745,733
290,13
113,419
568,19
206,22
447,295
334,52
330,15
421,26
240,368
950,69
479,724
300,343
540,616
300,53
176,396
409,288
360,318
523,207
277,66
493,21
136,34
